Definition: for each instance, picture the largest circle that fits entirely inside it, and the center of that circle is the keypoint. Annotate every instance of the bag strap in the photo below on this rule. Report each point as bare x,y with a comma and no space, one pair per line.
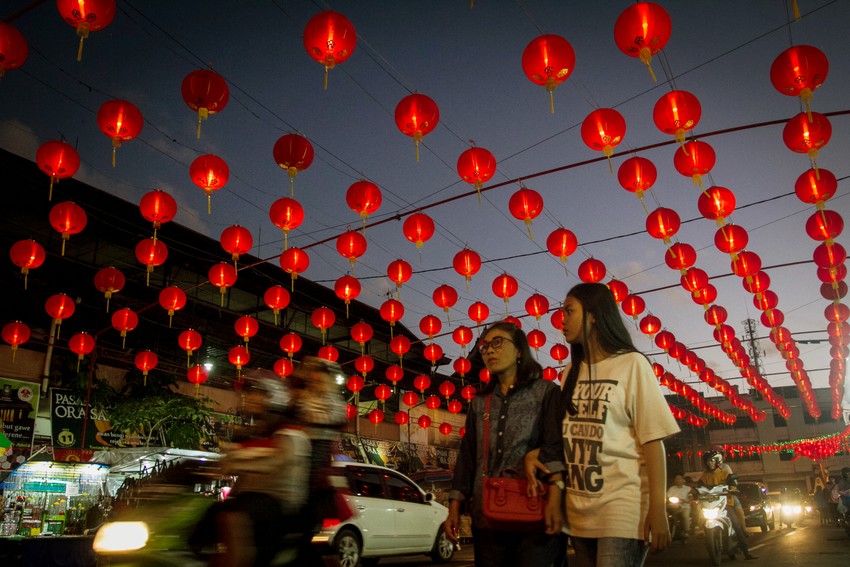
486,427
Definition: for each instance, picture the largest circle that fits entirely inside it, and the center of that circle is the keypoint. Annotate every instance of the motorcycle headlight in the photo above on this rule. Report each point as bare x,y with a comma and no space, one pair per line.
114,537
710,513
791,509
754,507
673,500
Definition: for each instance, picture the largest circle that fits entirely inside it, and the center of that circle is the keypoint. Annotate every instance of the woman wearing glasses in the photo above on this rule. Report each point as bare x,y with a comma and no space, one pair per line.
519,412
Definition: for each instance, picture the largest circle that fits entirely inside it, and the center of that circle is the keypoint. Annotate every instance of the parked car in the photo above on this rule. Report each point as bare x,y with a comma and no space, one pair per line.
391,516
758,507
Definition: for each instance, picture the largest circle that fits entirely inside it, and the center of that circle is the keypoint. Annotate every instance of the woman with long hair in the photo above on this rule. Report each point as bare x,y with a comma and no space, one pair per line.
616,420
517,411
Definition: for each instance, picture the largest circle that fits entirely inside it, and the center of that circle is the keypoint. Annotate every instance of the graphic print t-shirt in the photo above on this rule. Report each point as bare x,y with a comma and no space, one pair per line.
621,409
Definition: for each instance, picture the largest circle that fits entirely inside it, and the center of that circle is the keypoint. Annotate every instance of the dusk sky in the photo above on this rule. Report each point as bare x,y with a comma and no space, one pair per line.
468,60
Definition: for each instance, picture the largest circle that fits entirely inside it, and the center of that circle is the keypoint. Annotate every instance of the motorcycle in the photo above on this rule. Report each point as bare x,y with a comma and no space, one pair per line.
844,517
719,535
678,530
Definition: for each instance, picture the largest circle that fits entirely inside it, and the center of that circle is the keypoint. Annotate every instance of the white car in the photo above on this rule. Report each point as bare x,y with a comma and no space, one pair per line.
391,516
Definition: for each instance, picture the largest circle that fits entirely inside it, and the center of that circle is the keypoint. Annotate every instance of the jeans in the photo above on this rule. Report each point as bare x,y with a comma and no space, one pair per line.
515,549
608,552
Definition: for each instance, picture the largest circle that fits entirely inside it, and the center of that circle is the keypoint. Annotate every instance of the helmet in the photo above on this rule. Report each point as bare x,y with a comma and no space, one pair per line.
710,457
275,392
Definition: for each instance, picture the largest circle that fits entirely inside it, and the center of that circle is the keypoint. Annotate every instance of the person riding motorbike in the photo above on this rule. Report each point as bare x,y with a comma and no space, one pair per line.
681,507
841,492
714,474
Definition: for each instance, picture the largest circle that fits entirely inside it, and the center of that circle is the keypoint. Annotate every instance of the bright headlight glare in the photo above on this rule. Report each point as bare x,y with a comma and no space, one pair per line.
710,513
120,536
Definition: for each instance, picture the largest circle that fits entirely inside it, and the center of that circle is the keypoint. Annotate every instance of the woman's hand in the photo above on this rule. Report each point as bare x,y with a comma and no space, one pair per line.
553,514
452,524
532,465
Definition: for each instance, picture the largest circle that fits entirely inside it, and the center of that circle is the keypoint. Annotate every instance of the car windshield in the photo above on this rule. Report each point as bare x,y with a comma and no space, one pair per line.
749,490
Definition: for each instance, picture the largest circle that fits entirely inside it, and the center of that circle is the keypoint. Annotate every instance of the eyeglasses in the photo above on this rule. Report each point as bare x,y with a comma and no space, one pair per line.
496,343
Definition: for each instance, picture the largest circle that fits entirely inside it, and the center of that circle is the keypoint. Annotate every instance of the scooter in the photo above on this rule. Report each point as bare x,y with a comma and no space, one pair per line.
719,535
674,518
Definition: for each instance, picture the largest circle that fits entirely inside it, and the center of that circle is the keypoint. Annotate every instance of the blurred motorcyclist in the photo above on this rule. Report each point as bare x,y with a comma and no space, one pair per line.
682,508
841,490
713,475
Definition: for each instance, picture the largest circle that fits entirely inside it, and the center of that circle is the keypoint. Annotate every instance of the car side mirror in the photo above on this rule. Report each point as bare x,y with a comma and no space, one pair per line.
429,496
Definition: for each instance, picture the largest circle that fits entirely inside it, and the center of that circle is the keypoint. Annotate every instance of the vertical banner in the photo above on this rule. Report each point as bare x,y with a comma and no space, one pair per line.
18,408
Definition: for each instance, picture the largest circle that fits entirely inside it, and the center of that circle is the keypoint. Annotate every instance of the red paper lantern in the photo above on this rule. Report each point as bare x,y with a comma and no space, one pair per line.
805,135
294,261
347,288
15,334
467,263
124,321
424,421
197,375
399,272
694,159
536,339
680,256
603,130
422,383
618,289
362,333
447,389
290,343
446,428
222,276
13,48
747,264
731,238
416,115
694,279
364,198
484,375
189,340
715,315
591,270
432,402
462,335
513,321
410,399
286,214
283,367
364,364
548,60
119,120
394,373
402,418
108,281
236,240
59,160
145,362
454,407
815,187
433,352
478,312
824,225
561,243
836,312
476,166
663,223
772,318
418,228
829,256
157,207
798,71
293,153
650,325
462,366
323,319
329,38
59,307
67,218
400,345
430,325
642,30
351,244
276,298
468,393
210,173
391,311
81,344
537,306
559,352
27,255
505,286
86,16
758,283
665,340
329,352
767,300
526,205
206,92
716,203
445,297
636,175
676,113
633,305
246,327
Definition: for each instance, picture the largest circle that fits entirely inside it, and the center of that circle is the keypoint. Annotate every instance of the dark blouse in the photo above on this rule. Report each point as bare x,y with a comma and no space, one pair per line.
528,417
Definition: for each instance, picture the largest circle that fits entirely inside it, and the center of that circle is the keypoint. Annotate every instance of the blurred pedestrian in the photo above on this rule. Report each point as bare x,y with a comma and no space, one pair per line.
821,503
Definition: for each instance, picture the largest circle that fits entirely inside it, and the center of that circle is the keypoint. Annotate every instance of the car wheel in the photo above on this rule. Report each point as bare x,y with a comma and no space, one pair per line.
763,522
443,547
348,548
772,523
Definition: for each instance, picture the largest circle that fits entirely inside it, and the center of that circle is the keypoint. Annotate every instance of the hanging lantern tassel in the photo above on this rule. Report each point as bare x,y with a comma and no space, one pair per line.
813,155
608,151
65,237
328,65
551,85
83,34
417,137
116,142
203,114
123,338
53,178
806,97
209,201
477,186
796,10
645,55
148,275
531,236
293,171
223,290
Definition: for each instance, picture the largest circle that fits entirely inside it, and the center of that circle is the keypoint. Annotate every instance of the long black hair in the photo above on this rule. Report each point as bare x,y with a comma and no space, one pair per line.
612,337
528,369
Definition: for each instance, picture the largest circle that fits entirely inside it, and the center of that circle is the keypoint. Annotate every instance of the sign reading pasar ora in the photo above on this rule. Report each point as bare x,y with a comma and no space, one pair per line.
68,414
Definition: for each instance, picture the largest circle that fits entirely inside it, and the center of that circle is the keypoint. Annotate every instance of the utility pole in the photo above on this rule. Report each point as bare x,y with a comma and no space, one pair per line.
754,350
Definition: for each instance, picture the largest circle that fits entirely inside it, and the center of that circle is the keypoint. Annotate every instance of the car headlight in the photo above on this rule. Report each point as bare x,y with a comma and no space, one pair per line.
791,509
710,513
114,537
755,507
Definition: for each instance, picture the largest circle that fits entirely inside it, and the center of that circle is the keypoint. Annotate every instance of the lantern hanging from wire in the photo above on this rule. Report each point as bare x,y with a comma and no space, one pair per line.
804,135
239,357
505,286
430,325
402,418
478,312
146,361
347,288
361,332
364,198
59,307
418,228
86,16
246,327
462,366
81,344
815,187
548,60
120,121
476,166
351,245
649,325
276,298
189,340
13,48
206,92
677,113
329,353
417,115
798,71
391,311
283,367
536,339
383,393
602,130
633,305
561,243
27,255
399,272
537,306
290,343
731,238
636,175
364,364
210,173
223,276
286,214
172,299
410,399
445,297
642,30
462,336
526,205
559,352
694,159
663,223
15,334
109,281
591,270
158,207
151,253
293,153
58,159
400,345
294,261
618,289
824,225
433,352
197,375
323,318
424,421
236,240
124,321
716,203
67,218
467,263
330,39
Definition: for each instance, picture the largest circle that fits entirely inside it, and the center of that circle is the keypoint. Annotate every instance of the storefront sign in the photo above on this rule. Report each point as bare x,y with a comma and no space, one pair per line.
68,414
18,407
